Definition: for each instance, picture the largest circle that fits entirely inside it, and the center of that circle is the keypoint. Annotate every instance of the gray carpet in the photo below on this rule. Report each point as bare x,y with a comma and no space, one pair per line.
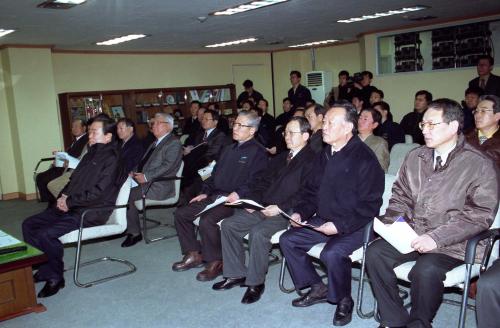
155,296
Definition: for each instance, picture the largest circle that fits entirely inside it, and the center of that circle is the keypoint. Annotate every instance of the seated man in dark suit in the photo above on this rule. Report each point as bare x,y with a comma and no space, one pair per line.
343,196
277,190
162,159
315,115
222,123
78,130
95,182
486,80
208,146
238,167
131,147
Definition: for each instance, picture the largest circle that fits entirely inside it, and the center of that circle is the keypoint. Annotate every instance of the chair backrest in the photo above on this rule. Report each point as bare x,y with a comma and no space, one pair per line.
398,153
495,251
119,216
183,138
177,182
389,181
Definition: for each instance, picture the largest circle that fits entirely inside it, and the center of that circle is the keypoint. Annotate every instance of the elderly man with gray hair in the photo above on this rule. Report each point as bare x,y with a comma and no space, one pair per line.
239,165
162,159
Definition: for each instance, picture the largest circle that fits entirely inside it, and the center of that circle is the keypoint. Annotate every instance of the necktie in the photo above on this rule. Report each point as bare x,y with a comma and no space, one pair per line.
145,159
482,139
205,137
482,85
289,157
439,164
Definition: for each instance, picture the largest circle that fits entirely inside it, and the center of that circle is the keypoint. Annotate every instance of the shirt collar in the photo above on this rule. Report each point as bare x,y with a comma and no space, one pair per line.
160,139
444,155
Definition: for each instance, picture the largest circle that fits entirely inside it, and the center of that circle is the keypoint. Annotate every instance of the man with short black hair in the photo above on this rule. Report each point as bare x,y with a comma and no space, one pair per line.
486,80
131,148
448,192
376,96
315,115
486,136
299,95
364,88
95,182
239,165
192,124
249,94
369,119
342,197
469,105
410,122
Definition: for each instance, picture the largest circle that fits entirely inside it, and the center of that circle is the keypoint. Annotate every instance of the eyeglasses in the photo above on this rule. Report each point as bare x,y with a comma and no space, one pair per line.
239,125
430,125
290,133
481,111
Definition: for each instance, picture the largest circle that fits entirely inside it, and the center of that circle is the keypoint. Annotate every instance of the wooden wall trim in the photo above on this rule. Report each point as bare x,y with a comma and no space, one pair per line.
18,195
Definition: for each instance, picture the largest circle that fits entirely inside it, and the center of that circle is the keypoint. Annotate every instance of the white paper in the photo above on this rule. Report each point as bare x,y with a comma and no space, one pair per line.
206,171
218,201
399,234
62,156
133,183
7,240
247,201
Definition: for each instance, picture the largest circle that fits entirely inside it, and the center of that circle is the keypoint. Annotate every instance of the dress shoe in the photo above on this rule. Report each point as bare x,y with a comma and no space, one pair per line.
228,283
316,295
343,313
51,288
190,260
131,240
253,294
212,271
37,278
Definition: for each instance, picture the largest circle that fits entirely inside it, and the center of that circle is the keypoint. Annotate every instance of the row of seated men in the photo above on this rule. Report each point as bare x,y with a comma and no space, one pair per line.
338,190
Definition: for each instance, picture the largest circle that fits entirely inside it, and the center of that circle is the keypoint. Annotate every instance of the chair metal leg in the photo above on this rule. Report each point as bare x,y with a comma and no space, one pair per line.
77,266
282,278
463,308
361,285
145,228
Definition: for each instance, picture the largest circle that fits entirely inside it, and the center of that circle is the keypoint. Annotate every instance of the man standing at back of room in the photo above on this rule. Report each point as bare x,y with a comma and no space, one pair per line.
298,94
486,80
239,166
410,122
249,94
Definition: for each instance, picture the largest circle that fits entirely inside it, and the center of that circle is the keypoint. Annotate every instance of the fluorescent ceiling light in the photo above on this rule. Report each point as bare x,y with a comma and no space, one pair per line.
246,7
70,2
315,43
384,14
231,43
5,32
121,39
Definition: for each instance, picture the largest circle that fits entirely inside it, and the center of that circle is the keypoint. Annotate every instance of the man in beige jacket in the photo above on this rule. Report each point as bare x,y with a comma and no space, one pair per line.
448,191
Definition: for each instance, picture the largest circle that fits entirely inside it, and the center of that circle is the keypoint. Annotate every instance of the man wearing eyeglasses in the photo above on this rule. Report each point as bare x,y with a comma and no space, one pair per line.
447,191
486,136
238,167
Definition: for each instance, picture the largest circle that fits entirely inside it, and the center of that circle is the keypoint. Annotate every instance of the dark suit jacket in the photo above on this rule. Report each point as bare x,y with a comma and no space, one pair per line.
281,183
256,96
96,182
492,86
316,141
76,148
300,97
131,153
164,162
491,146
191,127
346,188
223,124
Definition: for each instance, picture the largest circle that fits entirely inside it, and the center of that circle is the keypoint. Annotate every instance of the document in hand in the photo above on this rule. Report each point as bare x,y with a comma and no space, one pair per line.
246,203
399,234
218,201
62,156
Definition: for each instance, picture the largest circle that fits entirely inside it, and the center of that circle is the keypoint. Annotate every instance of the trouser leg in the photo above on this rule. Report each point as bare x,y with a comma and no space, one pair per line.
259,246
335,256
427,288
381,259
488,297
294,245
133,224
210,232
233,231
43,230
42,180
184,217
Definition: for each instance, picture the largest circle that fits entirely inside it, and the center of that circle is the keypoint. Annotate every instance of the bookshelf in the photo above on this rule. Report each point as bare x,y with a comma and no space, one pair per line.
140,105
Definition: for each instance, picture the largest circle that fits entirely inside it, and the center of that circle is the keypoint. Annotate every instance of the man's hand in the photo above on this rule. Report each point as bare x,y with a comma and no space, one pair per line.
295,217
249,210
186,150
198,198
140,178
232,197
423,244
271,210
271,150
61,203
327,228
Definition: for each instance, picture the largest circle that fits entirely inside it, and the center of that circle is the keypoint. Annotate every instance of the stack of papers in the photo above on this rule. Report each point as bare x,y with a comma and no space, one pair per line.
399,234
62,156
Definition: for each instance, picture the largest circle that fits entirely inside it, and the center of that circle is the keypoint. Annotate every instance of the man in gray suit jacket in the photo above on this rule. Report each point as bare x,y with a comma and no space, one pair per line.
162,159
